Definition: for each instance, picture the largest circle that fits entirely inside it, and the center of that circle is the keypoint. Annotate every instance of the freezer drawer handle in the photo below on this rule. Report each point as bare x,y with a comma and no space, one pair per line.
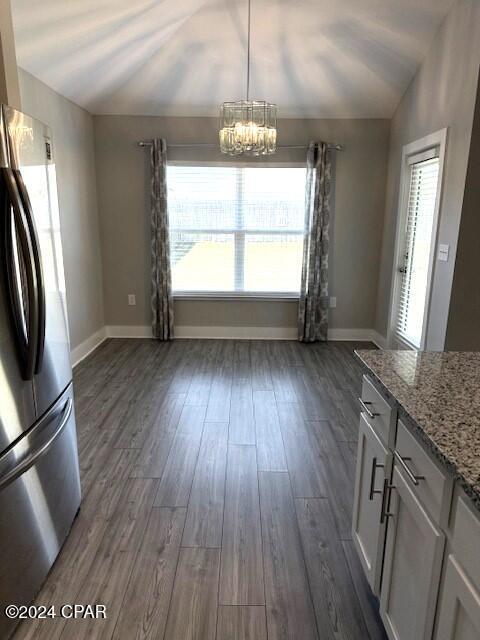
31,459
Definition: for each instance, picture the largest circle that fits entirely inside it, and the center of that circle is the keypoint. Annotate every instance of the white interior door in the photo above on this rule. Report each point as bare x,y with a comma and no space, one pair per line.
415,244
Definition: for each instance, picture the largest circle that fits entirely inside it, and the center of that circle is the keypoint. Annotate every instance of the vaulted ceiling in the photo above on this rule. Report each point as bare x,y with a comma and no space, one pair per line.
314,58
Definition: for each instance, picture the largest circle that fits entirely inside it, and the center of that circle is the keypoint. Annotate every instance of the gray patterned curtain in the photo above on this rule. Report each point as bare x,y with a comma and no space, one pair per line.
161,280
313,303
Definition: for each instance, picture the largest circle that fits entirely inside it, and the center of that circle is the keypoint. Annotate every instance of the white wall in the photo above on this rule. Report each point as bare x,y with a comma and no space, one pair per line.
442,94
72,133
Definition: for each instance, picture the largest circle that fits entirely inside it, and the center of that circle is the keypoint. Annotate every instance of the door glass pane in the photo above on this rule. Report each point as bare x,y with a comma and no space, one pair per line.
417,249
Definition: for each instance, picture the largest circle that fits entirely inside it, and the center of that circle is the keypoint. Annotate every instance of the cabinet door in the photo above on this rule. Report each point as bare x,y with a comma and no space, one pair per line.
412,566
459,610
373,463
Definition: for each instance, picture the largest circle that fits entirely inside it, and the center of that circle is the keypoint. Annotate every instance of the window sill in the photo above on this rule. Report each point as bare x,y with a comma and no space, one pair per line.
261,297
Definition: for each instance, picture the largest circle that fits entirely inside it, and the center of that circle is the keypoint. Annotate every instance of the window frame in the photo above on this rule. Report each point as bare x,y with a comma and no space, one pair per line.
238,295
438,139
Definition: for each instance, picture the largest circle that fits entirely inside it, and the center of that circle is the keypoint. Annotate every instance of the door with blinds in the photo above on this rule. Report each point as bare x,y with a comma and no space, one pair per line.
416,239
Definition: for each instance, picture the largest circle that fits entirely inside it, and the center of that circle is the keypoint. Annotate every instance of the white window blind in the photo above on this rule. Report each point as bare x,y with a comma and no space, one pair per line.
414,269
236,229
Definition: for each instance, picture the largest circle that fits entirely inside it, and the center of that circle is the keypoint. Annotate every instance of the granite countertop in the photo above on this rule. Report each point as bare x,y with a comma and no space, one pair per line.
440,393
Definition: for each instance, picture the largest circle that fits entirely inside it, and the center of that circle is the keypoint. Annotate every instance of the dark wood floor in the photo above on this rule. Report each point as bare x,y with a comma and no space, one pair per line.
217,485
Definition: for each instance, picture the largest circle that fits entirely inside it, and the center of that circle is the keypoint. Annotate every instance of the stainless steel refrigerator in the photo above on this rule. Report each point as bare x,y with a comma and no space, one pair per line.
39,475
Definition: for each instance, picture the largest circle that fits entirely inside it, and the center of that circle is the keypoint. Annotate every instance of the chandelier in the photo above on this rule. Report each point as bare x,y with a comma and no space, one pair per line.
248,127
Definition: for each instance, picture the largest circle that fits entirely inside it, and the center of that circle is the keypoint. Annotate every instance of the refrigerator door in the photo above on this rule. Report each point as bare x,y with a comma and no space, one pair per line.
39,498
17,409
32,162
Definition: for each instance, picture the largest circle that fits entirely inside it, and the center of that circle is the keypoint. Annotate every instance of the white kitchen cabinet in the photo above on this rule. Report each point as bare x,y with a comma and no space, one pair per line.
429,589
373,465
412,565
459,609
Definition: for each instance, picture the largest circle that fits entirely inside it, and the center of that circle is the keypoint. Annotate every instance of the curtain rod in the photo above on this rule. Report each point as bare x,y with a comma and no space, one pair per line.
147,143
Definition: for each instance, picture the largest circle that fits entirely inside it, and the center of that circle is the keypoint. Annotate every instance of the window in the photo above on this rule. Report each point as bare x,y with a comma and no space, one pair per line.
236,229
417,246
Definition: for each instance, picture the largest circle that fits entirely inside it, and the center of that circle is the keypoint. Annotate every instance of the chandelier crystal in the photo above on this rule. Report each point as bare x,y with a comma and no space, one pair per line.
248,127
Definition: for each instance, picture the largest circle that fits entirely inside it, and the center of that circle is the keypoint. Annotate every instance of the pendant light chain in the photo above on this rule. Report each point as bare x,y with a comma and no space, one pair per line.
248,50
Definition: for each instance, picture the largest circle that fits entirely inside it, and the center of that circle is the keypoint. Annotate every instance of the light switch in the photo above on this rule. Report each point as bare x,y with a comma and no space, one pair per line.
333,302
132,300
443,250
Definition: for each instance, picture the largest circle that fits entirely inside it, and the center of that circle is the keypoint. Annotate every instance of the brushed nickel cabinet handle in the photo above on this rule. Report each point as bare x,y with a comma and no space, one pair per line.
387,490
374,491
402,461
369,412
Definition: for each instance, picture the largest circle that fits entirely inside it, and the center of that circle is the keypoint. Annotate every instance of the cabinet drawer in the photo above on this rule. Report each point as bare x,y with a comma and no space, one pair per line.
377,411
466,539
432,485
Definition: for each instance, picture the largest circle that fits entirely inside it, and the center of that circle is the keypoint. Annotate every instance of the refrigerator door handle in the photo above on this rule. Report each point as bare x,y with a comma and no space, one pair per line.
30,460
27,207
26,344
15,308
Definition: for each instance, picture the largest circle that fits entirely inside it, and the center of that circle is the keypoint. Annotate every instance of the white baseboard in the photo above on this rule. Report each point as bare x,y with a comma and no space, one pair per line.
238,333
379,340
362,335
81,351
244,333
128,331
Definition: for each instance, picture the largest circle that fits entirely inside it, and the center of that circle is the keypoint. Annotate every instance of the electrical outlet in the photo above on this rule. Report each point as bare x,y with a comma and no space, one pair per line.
333,302
132,301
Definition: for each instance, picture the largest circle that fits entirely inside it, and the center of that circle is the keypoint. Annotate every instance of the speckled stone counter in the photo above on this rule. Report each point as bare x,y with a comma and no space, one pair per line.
439,395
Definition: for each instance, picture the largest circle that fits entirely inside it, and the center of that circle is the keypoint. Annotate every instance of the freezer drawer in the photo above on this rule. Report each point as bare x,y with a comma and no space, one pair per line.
39,498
